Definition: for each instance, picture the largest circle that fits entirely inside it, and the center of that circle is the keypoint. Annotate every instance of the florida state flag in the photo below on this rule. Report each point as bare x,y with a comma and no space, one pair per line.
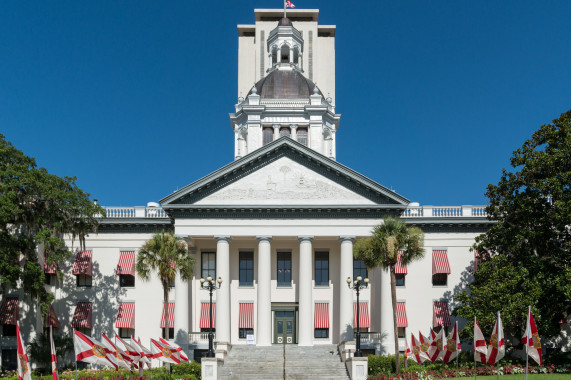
177,350
146,356
90,350
480,346
123,360
24,372
163,352
435,349
54,357
531,339
497,348
417,354
452,347
128,349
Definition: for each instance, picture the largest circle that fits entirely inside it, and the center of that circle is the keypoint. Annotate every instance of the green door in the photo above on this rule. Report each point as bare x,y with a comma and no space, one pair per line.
284,327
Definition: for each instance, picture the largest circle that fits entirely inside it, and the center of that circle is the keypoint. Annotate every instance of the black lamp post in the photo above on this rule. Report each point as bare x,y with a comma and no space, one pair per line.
357,285
210,285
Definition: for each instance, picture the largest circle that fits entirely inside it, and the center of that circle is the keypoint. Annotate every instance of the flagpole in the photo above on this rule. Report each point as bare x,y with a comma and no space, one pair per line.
151,360
117,356
498,332
285,9
456,340
527,341
74,353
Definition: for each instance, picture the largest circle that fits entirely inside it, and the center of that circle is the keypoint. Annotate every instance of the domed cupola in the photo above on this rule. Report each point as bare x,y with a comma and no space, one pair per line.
282,83
285,45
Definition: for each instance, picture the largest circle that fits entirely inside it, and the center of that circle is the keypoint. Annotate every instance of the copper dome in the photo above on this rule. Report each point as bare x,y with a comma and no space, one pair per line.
285,84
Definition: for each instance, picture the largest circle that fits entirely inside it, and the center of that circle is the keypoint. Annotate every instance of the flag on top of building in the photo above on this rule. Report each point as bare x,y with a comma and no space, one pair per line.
496,348
480,346
54,357
531,339
289,4
24,371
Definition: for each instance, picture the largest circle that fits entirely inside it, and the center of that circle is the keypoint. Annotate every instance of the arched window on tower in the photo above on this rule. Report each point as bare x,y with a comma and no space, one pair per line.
302,136
285,131
274,55
267,135
285,54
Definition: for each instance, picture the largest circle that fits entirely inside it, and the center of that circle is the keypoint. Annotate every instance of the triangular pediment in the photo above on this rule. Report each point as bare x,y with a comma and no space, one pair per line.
284,174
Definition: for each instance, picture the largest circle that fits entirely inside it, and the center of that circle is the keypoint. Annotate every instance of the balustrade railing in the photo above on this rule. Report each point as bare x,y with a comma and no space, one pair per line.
444,211
199,337
370,338
135,212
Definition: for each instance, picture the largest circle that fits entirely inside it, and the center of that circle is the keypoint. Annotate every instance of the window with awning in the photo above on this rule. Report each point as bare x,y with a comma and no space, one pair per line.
126,263
402,320
52,319
440,267
441,315
400,270
9,311
126,316
246,319
82,316
83,264
321,320
49,268
205,315
171,316
363,315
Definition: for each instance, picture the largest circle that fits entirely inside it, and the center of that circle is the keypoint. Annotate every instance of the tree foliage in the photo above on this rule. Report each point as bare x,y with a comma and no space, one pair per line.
40,348
382,250
36,210
165,255
527,253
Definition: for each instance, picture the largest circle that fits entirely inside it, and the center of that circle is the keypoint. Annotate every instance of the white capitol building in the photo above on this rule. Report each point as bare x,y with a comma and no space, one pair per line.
277,225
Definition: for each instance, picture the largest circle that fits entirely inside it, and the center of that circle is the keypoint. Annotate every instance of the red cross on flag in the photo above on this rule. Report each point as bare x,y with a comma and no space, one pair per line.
452,347
289,4
531,339
143,351
417,354
163,352
54,357
496,348
435,349
90,350
480,346
24,371
123,360
176,349
128,349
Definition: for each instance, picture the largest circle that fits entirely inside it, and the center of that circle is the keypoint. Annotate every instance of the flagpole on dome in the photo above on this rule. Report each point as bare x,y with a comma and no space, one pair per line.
285,9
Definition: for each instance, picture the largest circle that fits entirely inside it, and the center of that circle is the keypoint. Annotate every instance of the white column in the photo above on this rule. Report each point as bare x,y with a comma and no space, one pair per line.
387,314
276,131
293,129
264,325
305,292
345,293
223,294
181,313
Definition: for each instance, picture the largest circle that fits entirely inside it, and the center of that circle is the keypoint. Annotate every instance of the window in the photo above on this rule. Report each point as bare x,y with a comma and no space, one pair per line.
10,360
208,265
400,279
359,269
322,333
84,280
243,333
440,279
49,279
285,131
302,136
172,283
126,333
268,135
246,268
84,330
284,269
8,330
126,281
321,268
402,332
171,333
207,329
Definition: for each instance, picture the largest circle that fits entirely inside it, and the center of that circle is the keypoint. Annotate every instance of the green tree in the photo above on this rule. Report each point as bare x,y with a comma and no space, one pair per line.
40,349
164,254
36,210
381,250
527,252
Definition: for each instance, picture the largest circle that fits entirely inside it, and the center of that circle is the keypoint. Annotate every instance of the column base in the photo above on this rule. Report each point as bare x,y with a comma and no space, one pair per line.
209,369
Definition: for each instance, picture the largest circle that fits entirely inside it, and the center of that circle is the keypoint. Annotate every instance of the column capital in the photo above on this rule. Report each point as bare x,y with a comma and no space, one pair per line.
346,238
293,126
264,238
223,238
305,238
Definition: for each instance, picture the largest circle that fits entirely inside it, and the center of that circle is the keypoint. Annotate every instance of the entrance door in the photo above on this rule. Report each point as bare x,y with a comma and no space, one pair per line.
284,327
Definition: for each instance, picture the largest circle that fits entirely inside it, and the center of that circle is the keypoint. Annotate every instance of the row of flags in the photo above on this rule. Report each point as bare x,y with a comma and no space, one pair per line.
438,346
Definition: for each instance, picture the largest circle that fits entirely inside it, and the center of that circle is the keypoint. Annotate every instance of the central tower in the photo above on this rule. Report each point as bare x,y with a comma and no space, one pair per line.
286,84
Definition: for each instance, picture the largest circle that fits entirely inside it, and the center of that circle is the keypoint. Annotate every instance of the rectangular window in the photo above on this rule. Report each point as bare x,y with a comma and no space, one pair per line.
171,333
400,279
243,333
322,333
208,265
49,279
268,135
302,136
440,279
126,281
246,268
284,269
8,330
83,280
126,333
402,332
359,269
10,360
321,268
172,283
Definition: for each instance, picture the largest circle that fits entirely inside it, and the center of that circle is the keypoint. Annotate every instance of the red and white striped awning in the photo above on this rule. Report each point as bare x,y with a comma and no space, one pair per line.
82,263
49,268
205,315
363,314
171,316
441,314
126,263
126,315
402,320
399,268
246,320
52,319
9,311
440,262
82,316
322,315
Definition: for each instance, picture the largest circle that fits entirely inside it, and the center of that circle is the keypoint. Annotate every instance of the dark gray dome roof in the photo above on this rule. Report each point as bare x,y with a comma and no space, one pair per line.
285,84
285,22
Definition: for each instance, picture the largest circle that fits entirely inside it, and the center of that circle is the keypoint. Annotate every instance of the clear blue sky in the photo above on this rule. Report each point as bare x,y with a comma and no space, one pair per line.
133,97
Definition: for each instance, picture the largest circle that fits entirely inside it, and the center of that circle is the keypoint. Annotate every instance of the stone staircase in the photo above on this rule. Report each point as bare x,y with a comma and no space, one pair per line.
284,362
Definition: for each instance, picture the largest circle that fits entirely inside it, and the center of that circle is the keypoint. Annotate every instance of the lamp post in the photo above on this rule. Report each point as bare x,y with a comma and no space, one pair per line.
357,285
210,285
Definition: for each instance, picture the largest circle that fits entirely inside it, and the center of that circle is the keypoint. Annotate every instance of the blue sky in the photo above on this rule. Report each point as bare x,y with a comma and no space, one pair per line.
133,97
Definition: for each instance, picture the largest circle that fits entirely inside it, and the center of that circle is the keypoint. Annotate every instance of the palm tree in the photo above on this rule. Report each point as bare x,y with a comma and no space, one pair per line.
382,250
164,254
